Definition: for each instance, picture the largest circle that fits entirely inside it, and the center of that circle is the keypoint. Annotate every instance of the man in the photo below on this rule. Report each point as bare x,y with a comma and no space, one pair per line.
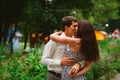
53,55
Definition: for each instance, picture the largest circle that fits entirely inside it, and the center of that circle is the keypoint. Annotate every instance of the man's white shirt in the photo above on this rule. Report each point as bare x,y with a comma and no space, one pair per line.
53,52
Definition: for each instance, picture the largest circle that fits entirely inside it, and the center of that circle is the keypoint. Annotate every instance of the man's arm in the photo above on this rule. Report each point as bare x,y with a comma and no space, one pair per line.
68,61
48,53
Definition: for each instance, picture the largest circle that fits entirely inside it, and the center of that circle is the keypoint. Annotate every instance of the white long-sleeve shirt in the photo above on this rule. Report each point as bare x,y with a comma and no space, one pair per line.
53,52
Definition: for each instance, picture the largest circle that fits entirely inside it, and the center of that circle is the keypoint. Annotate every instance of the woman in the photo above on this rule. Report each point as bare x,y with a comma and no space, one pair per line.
83,47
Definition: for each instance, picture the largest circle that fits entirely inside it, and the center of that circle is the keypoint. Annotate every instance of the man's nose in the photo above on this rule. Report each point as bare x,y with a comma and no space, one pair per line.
76,28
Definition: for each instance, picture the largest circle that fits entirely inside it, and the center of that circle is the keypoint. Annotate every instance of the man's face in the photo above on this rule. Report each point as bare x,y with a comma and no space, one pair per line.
71,31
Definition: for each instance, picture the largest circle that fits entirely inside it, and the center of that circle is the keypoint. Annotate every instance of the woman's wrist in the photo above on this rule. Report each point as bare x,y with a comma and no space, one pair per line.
82,64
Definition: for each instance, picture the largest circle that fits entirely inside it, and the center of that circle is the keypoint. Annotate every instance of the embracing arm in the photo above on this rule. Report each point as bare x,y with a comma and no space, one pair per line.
83,71
86,68
48,59
66,40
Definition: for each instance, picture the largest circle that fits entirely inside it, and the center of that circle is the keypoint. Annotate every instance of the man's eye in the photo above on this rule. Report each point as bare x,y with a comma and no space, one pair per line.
75,26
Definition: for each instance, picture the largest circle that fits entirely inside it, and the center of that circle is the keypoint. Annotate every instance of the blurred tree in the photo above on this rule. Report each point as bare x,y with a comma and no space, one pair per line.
44,16
10,12
99,12
104,10
31,19
114,23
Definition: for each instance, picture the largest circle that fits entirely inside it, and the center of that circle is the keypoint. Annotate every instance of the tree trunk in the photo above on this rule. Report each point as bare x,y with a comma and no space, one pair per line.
25,41
5,33
11,38
32,40
0,32
13,34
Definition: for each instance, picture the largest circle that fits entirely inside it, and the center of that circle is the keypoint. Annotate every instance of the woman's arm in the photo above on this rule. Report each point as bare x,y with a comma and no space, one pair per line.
83,71
66,40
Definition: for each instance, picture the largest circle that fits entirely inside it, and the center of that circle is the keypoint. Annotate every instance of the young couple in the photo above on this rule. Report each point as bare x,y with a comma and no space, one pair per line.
69,54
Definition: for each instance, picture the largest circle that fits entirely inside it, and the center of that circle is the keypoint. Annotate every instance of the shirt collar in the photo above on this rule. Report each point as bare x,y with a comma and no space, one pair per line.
63,34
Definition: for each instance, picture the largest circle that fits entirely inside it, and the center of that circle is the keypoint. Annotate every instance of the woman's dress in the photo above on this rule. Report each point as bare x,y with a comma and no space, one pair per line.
66,69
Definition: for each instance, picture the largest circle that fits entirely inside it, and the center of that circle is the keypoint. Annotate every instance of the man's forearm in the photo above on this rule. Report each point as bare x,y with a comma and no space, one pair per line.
50,62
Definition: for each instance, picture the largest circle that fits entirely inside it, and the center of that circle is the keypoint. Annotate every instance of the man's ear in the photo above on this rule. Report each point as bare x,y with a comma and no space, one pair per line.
66,27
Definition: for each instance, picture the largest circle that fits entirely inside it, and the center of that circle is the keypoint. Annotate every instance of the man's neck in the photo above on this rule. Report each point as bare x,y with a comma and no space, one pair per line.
67,34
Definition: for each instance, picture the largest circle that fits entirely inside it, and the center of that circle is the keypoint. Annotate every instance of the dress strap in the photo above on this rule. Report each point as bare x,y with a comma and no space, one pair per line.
67,47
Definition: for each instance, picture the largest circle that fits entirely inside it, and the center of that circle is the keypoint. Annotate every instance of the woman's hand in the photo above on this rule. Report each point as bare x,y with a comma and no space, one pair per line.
83,70
75,68
74,75
58,33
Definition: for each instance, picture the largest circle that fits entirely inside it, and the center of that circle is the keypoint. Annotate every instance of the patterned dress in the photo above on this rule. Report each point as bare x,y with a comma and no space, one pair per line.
66,69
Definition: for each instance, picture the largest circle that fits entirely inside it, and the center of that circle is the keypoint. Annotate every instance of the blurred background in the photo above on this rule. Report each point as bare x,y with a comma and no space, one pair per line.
25,26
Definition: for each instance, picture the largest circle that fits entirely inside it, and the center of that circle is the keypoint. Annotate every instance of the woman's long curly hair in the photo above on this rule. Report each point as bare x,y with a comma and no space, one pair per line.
89,46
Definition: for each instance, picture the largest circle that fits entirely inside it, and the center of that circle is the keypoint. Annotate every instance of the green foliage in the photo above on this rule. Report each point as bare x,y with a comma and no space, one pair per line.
116,64
103,11
28,66
100,70
42,16
98,12
111,46
3,49
31,15
23,67
110,59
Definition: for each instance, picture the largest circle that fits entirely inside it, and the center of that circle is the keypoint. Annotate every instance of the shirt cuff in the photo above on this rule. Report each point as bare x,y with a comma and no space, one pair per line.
57,62
82,63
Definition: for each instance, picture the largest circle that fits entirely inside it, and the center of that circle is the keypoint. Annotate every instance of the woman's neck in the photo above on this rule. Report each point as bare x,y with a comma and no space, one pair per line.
75,48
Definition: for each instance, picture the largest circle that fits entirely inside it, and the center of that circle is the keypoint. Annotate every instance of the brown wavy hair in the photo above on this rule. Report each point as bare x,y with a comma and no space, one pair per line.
89,46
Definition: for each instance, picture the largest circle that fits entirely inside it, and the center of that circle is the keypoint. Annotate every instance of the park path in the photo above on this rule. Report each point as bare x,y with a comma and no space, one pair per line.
117,77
